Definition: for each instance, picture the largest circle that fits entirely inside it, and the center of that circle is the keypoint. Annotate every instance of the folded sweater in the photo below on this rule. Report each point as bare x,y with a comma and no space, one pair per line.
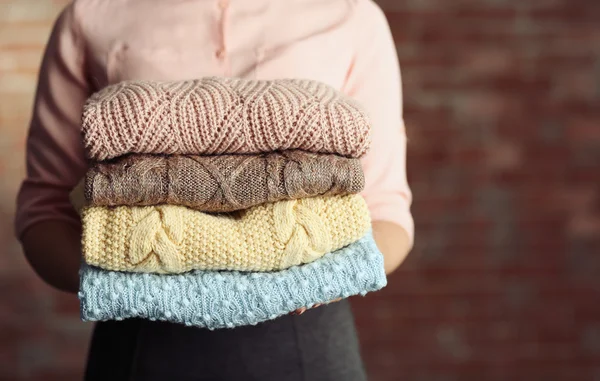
230,299
222,115
220,183
175,239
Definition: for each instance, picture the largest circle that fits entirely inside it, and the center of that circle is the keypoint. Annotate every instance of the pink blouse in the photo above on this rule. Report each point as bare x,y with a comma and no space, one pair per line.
344,43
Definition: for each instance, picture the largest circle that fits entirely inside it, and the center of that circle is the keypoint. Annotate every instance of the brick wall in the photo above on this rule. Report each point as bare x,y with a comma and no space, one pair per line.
502,105
41,336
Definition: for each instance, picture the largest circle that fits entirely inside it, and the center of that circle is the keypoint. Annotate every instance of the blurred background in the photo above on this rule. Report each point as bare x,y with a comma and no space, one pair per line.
502,106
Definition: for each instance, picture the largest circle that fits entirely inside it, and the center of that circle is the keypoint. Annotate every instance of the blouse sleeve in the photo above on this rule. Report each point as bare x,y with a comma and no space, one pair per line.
374,81
55,158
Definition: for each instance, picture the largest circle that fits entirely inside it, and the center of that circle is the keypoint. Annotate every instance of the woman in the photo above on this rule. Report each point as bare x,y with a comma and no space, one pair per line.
344,43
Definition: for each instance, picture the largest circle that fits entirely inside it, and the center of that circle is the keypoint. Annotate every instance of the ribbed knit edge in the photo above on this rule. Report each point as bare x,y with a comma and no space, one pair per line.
230,299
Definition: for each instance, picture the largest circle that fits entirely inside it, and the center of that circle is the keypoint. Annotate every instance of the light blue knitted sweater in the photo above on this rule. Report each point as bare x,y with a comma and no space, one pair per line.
229,299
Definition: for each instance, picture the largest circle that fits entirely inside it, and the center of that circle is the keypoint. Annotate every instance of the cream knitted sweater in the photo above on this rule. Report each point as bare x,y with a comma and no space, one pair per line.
175,239
223,115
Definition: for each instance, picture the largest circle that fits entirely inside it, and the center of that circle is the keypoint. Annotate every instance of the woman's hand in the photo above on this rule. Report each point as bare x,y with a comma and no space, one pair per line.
302,310
53,248
393,242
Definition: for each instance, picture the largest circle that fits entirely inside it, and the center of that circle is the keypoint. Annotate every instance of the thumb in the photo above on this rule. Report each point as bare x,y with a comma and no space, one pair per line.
77,196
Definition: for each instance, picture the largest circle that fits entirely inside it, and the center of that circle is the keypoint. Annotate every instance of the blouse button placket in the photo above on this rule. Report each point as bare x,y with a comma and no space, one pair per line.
221,53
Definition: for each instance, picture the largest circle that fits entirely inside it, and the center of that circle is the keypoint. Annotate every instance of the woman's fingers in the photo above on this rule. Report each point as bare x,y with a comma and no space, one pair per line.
299,311
77,196
302,310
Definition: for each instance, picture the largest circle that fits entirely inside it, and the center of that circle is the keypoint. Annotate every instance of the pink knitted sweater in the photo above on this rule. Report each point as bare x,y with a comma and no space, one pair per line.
223,115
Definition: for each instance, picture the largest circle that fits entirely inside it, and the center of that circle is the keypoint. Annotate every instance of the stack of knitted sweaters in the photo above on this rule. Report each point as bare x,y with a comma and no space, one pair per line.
223,202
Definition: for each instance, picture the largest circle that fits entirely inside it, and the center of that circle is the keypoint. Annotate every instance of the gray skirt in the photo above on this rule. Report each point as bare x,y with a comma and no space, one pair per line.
319,345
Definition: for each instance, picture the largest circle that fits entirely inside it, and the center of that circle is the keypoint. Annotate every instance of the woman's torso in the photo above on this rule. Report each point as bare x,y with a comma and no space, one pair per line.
170,40
188,39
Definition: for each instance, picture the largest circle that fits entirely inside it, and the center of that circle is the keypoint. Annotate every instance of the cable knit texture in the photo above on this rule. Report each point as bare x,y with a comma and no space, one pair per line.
230,299
220,183
223,115
175,239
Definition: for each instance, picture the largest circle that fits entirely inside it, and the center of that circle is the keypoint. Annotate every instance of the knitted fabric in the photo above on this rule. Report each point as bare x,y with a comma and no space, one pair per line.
222,115
229,299
175,239
220,183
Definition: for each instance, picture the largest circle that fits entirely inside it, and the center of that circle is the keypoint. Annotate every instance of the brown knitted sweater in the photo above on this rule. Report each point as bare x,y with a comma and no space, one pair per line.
220,183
